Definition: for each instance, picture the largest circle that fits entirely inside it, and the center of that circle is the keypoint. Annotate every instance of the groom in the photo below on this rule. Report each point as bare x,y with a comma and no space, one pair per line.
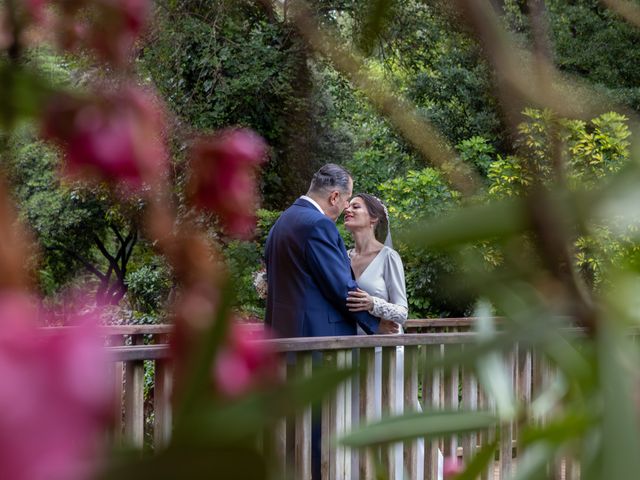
308,270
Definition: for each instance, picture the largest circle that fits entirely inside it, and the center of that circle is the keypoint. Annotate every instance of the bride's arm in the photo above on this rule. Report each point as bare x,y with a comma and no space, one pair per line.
388,311
396,309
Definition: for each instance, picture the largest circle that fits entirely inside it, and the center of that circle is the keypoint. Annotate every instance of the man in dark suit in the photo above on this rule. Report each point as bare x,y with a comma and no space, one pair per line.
308,269
309,272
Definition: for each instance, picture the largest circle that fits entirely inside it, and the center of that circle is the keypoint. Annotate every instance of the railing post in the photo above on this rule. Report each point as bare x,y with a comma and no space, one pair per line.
303,426
162,399
367,409
469,402
451,399
390,453
117,373
411,405
506,432
328,426
431,397
134,399
343,418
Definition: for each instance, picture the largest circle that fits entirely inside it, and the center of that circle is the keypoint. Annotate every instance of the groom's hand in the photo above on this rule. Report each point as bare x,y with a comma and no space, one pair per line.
359,301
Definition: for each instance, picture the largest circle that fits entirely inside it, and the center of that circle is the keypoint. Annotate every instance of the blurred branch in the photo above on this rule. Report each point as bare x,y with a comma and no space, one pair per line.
626,9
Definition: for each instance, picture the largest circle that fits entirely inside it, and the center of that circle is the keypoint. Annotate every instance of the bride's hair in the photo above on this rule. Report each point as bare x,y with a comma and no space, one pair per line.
378,211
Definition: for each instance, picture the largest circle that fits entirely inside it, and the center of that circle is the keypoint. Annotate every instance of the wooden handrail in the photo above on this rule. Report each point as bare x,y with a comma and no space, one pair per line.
166,328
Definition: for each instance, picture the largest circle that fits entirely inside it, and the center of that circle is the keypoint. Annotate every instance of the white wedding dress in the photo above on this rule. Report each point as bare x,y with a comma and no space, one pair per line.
384,280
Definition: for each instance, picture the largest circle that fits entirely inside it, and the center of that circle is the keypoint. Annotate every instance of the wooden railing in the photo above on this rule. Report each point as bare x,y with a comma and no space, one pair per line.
403,387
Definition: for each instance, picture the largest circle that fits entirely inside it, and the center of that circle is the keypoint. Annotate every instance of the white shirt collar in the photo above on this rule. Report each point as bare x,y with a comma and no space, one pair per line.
313,202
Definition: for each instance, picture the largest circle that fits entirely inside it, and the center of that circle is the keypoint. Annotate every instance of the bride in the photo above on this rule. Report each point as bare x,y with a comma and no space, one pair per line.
380,275
377,267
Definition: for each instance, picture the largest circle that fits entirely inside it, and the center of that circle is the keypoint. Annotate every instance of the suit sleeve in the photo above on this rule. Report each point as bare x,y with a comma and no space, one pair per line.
329,265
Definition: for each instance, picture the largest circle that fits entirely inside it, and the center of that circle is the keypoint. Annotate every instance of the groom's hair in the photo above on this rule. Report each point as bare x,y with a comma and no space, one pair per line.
330,177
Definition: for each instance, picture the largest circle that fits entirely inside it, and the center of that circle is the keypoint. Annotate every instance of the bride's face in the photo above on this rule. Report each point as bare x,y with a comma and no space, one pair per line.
356,215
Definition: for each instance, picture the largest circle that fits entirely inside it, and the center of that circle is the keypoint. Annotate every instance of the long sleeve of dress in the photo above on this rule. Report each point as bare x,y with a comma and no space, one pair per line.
396,309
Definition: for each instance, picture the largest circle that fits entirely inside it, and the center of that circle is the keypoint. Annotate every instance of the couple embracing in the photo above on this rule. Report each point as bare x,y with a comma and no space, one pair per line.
317,288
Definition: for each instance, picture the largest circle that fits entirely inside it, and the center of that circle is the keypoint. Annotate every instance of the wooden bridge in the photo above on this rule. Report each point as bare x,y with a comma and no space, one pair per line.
453,389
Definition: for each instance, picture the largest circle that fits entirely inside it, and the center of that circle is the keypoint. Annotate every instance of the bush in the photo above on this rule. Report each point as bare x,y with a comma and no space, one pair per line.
419,196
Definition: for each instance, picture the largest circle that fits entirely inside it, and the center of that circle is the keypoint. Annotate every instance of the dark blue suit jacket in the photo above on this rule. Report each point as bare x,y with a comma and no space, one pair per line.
309,275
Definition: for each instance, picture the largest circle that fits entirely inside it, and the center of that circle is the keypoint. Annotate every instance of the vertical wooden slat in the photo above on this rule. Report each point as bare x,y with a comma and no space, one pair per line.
367,408
328,426
486,436
506,432
342,409
280,429
162,399
134,399
389,405
303,426
118,391
451,391
469,402
431,394
410,405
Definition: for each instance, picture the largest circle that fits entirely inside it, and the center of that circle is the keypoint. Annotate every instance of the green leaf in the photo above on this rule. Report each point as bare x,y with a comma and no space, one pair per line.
498,219
214,423
620,441
533,462
230,463
480,461
413,425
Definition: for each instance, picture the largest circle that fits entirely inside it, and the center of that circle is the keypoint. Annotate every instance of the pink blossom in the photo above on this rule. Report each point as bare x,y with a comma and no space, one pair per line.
243,363
110,31
223,177
452,467
55,399
117,136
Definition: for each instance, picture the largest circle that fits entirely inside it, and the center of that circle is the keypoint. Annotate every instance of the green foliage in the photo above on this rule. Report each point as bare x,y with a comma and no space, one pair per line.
422,195
229,63
591,42
592,152
244,259
478,152
148,287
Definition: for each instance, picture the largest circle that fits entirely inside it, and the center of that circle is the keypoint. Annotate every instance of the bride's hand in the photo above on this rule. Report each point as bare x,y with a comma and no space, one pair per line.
388,327
359,301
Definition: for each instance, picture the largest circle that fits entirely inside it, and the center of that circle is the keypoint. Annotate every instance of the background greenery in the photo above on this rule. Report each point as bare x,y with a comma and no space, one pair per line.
228,62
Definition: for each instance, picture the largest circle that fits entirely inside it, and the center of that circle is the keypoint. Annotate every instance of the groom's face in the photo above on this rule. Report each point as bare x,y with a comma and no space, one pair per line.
341,201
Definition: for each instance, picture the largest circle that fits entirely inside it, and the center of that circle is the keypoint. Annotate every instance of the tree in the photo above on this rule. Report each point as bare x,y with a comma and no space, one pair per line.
77,227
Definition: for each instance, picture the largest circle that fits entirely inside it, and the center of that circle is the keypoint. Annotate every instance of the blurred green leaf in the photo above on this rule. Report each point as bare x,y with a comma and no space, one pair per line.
229,463
572,425
198,385
494,220
22,93
240,420
533,463
620,422
413,425
480,461
492,372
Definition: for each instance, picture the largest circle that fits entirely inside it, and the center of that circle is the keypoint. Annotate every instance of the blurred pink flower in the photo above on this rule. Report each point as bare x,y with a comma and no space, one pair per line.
116,136
110,30
452,467
55,397
223,177
243,363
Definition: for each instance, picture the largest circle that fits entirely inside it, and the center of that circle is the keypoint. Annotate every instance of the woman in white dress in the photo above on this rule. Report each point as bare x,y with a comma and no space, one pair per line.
380,275
377,267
